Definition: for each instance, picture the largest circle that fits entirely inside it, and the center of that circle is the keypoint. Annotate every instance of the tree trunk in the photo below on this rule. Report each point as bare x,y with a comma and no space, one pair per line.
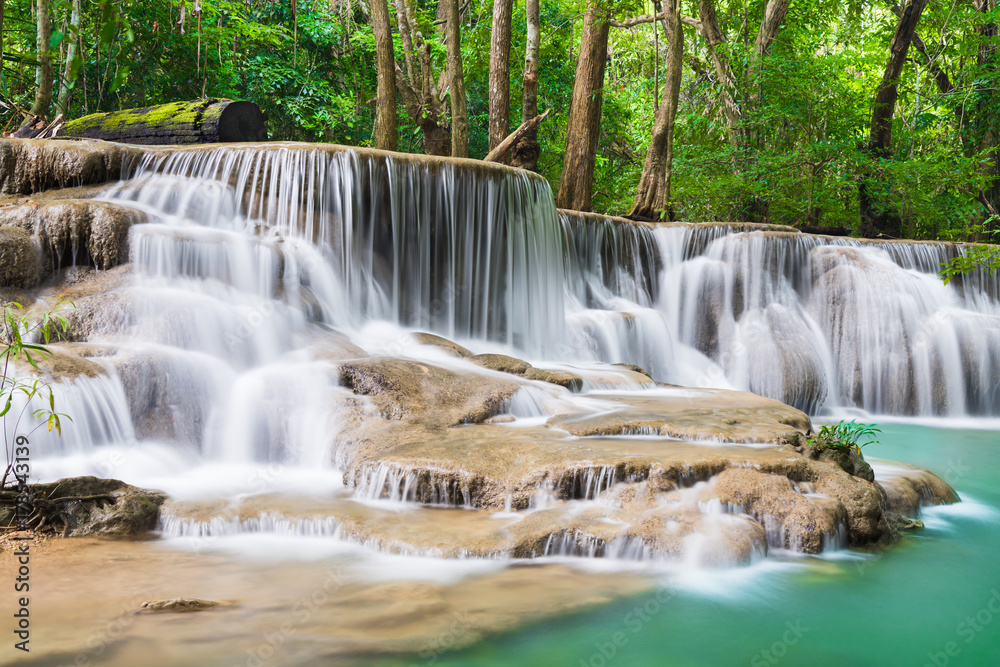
500,73
583,126
727,81
774,17
66,86
652,199
44,74
526,151
878,217
456,79
196,122
986,115
386,134
416,84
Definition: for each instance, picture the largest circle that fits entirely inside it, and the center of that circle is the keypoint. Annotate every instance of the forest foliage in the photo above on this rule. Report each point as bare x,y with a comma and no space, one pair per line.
806,103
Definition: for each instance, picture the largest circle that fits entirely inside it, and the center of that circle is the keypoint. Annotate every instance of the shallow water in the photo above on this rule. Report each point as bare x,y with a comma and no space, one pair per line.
910,605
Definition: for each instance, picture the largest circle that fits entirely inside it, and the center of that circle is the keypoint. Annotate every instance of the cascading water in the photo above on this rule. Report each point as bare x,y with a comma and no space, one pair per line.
255,258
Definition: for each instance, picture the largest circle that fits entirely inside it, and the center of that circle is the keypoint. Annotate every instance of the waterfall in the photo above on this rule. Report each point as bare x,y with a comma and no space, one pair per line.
254,255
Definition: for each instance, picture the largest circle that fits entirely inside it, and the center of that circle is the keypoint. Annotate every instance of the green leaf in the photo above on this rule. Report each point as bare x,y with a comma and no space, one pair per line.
56,38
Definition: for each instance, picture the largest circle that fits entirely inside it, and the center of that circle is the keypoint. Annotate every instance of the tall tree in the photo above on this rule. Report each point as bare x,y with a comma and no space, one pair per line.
987,109
456,79
583,125
68,76
499,103
421,94
652,199
526,151
741,137
44,74
386,135
879,217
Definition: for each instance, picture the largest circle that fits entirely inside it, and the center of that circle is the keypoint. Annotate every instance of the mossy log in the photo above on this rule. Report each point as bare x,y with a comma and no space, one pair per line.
195,122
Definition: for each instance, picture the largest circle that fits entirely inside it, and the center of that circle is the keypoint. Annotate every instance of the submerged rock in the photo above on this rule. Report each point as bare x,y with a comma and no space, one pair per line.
181,605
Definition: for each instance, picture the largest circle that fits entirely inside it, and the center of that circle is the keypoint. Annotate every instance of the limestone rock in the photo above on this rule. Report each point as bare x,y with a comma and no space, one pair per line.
18,259
81,231
80,506
33,165
505,364
443,343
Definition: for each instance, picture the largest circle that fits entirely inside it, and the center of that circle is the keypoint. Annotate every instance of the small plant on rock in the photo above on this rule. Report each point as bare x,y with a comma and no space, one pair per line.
845,436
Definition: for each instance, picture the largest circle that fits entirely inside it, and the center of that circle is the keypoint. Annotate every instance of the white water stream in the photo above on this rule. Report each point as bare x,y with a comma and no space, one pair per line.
254,256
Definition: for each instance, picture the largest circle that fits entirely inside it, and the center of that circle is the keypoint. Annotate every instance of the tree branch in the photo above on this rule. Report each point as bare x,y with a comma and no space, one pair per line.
497,153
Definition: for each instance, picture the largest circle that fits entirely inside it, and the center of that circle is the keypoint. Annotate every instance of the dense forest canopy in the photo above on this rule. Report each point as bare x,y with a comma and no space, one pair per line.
880,117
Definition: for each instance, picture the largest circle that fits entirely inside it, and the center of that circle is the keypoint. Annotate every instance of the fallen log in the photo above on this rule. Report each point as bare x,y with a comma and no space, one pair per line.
497,153
196,122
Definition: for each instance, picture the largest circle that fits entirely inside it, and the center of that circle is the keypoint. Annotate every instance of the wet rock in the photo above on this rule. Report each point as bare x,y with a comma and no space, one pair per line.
792,520
33,165
79,506
334,346
864,501
635,369
401,388
908,489
501,363
181,605
19,266
63,362
505,364
80,232
849,459
570,381
713,414
443,343
167,400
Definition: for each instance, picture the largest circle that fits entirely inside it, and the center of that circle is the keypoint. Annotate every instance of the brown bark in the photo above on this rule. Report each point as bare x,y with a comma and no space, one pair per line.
386,134
498,153
44,74
66,86
652,198
987,130
526,149
727,81
416,84
583,127
774,16
877,218
456,78
499,103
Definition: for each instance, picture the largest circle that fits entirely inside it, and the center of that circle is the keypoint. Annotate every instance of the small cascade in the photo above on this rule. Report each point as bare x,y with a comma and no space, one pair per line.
466,253
396,484
173,526
98,416
578,545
